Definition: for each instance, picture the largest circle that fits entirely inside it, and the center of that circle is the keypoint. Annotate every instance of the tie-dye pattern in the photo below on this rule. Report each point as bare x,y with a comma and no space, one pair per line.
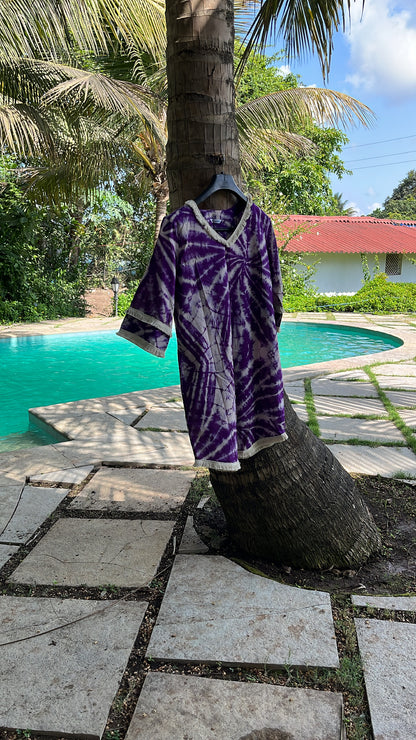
224,292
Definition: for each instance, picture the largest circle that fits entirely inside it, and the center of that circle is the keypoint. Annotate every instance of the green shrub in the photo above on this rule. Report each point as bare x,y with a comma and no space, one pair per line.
381,296
299,302
124,301
377,296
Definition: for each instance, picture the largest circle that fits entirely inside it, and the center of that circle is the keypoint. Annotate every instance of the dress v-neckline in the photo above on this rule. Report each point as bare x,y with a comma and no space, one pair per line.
199,215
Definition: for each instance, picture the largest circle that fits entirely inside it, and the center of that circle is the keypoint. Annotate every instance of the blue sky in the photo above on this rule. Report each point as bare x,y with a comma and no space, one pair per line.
375,62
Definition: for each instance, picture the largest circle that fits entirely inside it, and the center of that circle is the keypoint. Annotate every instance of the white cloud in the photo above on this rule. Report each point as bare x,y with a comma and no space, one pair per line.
383,48
284,70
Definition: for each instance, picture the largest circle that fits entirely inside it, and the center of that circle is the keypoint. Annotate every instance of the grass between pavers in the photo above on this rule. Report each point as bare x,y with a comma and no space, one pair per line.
357,441
310,408
393,414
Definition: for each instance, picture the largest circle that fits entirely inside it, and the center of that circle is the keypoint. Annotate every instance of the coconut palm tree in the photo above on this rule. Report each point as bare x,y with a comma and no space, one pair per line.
341,206
292,502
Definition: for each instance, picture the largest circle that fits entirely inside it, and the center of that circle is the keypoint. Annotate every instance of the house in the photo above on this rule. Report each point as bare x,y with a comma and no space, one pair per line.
344,248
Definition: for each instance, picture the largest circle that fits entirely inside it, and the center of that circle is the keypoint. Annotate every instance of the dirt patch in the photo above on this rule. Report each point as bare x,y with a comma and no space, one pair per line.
393,506
99,302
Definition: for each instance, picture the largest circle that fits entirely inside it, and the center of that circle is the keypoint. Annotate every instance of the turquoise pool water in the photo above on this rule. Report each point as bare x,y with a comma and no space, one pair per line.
43,370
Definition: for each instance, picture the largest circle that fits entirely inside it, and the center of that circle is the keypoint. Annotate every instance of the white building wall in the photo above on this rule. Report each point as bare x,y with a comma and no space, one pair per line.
343,273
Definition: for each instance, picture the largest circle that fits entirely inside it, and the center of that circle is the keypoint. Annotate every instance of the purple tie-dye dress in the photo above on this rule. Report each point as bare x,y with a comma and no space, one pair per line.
224,292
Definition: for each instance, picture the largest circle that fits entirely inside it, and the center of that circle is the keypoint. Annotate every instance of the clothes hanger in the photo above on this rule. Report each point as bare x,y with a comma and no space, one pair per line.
221,182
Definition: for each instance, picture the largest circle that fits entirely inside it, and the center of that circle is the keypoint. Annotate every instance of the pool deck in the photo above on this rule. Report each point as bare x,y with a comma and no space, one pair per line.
102,515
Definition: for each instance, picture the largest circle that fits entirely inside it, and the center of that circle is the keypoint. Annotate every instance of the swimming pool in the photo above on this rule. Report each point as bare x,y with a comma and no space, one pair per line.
43,370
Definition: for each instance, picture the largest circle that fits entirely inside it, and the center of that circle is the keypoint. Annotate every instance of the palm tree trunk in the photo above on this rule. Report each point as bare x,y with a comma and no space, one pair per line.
202,130
292,502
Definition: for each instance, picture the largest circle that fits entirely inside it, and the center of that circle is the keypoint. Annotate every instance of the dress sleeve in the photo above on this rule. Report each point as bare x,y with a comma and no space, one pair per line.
148,321
275,273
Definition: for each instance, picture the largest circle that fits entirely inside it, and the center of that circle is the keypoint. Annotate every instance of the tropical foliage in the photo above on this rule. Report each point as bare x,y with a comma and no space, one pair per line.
294,181
83,105
378,296
48,256
401,204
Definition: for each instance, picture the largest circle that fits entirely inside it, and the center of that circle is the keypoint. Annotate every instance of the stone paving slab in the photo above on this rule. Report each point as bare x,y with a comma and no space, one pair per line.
27,511
215,611
191,543
135,489
402,398
128,417
6,552
296,391
156,448
409,417
337,405
123,401
70,476
145,448
388,653
395,603
7,479
384,461
393,381
63,682
173,707
88,425
324,387
95,552
370,430
164,417
301,411
35,460
396,369
348,375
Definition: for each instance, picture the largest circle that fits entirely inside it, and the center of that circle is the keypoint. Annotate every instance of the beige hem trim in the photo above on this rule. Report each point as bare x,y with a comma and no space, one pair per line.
137,314
261,444
214,465
139,342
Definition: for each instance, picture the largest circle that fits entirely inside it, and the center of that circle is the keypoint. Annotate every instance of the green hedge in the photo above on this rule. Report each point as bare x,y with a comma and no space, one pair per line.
376,296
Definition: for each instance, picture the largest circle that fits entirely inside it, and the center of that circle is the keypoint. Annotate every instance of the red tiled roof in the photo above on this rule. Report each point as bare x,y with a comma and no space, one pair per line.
355,234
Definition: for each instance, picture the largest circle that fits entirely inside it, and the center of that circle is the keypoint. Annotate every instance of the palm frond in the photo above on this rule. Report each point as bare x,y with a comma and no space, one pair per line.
305,26
89,91
46,28
289,109
24,131
263,148
75,174
25,79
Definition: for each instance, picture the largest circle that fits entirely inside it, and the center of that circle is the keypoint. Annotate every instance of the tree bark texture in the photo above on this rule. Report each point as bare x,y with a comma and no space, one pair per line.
161,193
202,130
294,503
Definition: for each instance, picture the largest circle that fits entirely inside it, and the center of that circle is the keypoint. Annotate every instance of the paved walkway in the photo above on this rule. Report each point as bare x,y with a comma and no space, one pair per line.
92,528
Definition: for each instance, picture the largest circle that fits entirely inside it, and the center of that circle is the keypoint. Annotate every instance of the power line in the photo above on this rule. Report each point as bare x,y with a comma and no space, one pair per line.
384,141
381,156
384,164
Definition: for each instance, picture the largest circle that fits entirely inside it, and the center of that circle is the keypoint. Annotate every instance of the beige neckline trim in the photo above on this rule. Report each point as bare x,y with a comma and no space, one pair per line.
214,234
